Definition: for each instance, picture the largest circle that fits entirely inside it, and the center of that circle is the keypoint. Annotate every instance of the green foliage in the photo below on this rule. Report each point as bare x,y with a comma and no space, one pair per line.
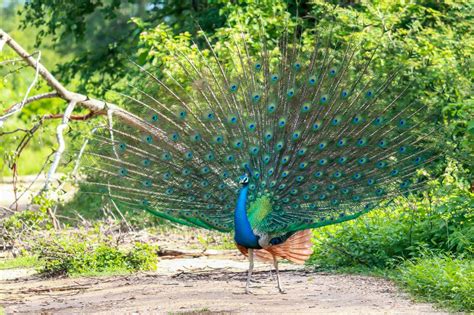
26,220
442,223
101,36
84,253
444,280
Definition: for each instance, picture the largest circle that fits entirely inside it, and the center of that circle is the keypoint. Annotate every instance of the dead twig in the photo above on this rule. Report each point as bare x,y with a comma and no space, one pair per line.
33,99
61,143
18,107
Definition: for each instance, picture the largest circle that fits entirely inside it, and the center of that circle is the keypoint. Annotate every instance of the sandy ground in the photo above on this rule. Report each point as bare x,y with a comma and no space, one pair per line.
206,285
7,194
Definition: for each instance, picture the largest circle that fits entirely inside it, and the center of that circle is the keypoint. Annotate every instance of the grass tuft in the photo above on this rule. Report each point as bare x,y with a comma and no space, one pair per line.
447,281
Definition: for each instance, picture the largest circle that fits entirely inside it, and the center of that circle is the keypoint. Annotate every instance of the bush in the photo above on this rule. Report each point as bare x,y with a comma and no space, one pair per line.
83,254
444,280
386,236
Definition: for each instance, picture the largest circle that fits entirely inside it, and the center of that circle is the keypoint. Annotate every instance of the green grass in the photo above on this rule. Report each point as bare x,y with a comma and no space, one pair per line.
446,281
19,262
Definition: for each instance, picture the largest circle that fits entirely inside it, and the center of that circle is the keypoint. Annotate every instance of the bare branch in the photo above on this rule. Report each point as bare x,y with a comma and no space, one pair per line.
61,142
32,182
31,100
5,62
72,117
18,107
94,105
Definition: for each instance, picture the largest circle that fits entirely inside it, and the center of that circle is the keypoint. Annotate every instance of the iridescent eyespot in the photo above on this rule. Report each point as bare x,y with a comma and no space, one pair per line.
316,126
219,139
254,150
271,108
296,135
149,139
256,97
123,172
232,119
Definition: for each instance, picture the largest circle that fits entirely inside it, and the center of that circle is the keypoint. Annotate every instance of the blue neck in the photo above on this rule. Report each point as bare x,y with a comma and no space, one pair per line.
243,231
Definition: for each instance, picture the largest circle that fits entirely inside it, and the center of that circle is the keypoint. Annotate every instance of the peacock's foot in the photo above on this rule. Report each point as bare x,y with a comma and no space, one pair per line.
281,291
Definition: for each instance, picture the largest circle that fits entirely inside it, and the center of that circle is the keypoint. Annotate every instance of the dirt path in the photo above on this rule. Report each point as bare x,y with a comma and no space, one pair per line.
208,285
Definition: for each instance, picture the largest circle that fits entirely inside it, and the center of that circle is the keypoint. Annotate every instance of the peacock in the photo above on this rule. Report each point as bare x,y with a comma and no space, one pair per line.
268,139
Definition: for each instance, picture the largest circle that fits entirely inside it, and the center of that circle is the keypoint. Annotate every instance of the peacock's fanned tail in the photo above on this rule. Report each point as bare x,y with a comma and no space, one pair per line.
326,136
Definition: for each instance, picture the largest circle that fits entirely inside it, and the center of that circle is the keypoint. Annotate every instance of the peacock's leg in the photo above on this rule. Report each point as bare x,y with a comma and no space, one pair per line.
249,275
275,263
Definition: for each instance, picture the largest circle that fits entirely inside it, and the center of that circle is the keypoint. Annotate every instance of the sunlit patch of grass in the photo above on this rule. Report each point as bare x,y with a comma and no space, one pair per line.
19,262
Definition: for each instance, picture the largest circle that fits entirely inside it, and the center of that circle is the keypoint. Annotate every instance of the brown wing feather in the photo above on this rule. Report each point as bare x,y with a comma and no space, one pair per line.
297,249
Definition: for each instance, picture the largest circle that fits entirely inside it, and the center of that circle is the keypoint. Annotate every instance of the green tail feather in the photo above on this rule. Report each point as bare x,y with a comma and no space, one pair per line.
326,138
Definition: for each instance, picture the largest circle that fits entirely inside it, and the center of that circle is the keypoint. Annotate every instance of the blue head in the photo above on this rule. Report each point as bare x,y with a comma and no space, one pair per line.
244,180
